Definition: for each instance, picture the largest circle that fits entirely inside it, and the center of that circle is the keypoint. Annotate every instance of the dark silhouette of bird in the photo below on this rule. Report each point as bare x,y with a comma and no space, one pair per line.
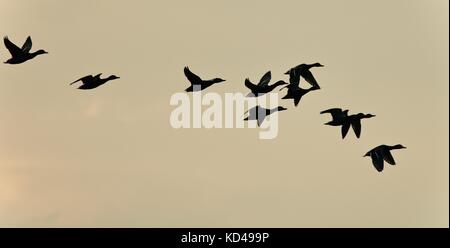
197,84
20,55
382,153
294,90
91,82
341,118
263,86
338,116
303,70
259,113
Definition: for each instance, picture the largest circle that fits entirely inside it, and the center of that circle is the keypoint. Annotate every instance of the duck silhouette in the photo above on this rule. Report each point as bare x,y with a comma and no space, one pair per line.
259,113
338,116
91,82
294,90
304,71
382,153
197,84
20,55
263,86
341,118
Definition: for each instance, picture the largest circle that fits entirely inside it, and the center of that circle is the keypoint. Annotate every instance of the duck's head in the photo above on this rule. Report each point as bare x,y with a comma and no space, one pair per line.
41,52
317,65
281,108
362,116
398,146
218,80
112,77
281,82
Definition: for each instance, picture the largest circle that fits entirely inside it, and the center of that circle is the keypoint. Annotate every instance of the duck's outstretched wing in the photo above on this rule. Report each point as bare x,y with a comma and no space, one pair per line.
251,111
194,79
250,85
308,76
12,48
297,99
259,121
387,156
377,161
294,78
27,45
344,129
84,79
356,125
265,79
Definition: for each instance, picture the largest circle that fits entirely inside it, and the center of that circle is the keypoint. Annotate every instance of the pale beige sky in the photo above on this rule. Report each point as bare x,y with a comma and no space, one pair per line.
109,157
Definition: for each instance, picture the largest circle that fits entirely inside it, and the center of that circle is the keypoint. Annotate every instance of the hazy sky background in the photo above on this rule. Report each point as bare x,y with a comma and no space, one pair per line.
109,157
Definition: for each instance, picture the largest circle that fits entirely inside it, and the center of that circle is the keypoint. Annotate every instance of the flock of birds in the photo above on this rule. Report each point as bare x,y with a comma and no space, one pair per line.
339,116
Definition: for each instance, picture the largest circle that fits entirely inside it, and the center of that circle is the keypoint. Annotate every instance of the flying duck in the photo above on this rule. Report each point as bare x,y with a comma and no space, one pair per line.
338,116
259,113
341,118
197,83
303,70
382,153
294,90
263,86
91,82
20,55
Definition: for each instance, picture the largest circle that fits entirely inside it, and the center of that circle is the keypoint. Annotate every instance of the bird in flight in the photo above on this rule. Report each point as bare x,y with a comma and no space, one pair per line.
20,55
294,90
382,153
303,70
263,86
197,84
341,118
91,82
259,113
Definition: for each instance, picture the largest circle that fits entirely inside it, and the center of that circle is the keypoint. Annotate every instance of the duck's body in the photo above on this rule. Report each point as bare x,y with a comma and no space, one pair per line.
259,113
294,90
338,116
197,84
91,82
303,70
341,118
20,55
382,153
296,93
263,86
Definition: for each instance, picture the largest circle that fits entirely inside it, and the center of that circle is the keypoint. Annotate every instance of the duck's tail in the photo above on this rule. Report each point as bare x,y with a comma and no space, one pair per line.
74,82
189,89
